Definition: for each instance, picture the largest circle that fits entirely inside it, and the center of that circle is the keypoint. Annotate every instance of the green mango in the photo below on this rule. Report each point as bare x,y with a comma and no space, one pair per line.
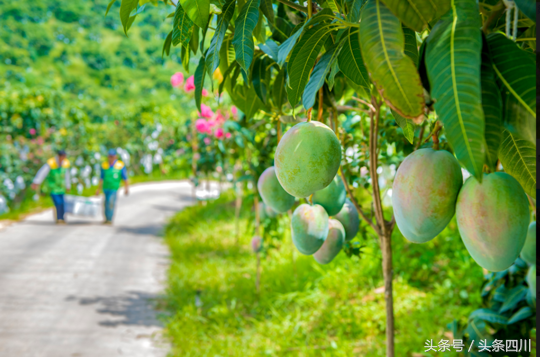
348,216
531,280
492,219
424,193
307,158
266,212
273,195
528,253
333,243
332,197
309,225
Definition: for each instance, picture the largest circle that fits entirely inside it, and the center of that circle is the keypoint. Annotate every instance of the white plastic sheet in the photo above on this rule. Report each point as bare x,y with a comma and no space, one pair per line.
83,206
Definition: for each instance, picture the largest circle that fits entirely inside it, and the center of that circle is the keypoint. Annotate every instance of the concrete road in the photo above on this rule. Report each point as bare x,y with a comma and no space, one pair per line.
85,289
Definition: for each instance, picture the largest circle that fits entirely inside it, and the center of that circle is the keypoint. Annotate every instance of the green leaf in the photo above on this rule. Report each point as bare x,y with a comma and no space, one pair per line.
521,314
271,49
182,25
489,316
333,71
243,33
126,7
197,10
109,6
212,58
318,76
303,58
167,45
258,78
355,10
268,11
513,297
517,119
278,89
406,125
515,68
351,62
411,48
528,7
393,73
184,53
518,157
492,106
194,41
417,14
453,66
198,80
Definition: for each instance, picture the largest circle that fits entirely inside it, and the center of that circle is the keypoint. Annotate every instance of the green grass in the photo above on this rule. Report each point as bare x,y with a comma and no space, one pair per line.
305,309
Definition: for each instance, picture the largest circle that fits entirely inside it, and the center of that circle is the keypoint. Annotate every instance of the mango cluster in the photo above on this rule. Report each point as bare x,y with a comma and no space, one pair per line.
492,216
307,160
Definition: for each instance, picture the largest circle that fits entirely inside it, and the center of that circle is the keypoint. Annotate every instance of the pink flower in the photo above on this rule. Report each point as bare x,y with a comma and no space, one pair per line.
218,133
207,140
202,126
204,92
177,79
234,111
190,84
228,135
32,131
220,118
206,112
212,123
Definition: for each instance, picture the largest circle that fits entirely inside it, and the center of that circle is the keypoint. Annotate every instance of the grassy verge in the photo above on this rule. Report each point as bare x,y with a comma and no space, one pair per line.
305,309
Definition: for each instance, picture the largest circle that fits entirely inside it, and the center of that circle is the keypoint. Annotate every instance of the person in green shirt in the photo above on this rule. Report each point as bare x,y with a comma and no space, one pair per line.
55,173
113,171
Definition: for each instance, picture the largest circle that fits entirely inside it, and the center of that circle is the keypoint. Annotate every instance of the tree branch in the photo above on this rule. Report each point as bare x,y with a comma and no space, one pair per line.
494,15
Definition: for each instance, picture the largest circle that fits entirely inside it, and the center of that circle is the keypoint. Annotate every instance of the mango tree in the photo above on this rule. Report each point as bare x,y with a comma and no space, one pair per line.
369,79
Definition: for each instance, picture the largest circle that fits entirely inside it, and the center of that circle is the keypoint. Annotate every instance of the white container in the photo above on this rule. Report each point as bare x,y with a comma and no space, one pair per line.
83,206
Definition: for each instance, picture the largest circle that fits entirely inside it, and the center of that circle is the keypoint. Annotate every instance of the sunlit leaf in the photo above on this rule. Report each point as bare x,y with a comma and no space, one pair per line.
518,157
182,26
406,125
126,7
198,80
197,10
417,14
212,58
243,33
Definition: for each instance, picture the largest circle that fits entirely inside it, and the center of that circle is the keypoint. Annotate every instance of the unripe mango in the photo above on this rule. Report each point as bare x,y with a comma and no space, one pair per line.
307,158
528,253
332,197
348,216
266,212
273,195
333,243
256,244
531,280
309,225
492,219
424,193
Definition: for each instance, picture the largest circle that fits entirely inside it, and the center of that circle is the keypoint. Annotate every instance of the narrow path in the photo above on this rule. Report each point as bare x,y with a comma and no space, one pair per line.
85,289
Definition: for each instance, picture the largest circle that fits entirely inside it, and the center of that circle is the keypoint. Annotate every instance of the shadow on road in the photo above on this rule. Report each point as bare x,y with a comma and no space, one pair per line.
52,223
151,229
134,308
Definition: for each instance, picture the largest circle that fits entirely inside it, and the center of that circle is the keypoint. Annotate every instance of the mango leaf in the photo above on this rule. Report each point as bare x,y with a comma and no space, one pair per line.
492,106
528,7
350,60
303,58
271,49
521,314
453,67
406,125
288,44
278,89
258,77
513,297
355,8
517,119
393,73
318,76
198,80
109,6
197,10
268,11
489,316
333,71
167,45
243,33
515,68
518,157
194,41
184,53
212,58
126,7
411,48
182,25
417,14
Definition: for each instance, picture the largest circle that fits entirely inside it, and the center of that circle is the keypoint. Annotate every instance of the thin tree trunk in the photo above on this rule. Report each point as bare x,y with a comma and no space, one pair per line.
388,292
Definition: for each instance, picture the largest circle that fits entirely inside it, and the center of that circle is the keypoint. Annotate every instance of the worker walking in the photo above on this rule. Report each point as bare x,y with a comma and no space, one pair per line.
56,171
112,172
